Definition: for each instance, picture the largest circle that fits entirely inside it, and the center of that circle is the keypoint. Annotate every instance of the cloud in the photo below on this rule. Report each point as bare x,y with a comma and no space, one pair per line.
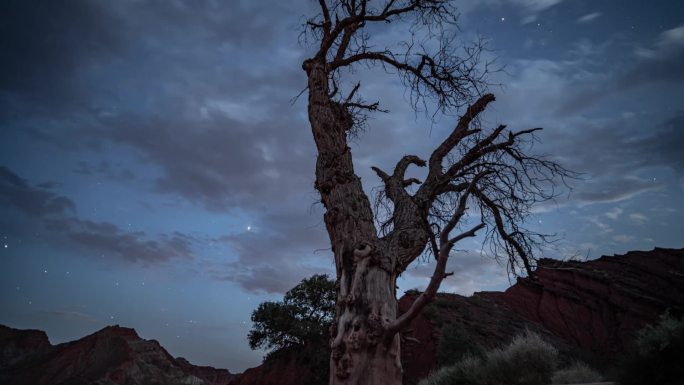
603,226
284,247
612,190
536,5
71,315
614,213
615,151
38,209
270,279
638,218
623,238
672,37
173,98
33,201
659,63
104,237
221,163
473,271
530,9
92,43
106,169
589,17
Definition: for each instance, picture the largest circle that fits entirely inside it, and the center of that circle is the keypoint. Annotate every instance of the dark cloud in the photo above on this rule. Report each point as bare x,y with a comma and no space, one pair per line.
270,279
49,42
39,209
660,63
103,237
33,201
219,162
71,315
664,147
222,130
63,53
619,158
613,189
622,146
473,271
282,248
222,133
103,168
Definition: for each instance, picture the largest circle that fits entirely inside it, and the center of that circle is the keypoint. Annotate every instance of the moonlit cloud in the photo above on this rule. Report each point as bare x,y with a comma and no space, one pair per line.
589,17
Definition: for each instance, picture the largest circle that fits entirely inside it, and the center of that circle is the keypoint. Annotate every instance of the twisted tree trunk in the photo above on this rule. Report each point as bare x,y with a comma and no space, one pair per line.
367,269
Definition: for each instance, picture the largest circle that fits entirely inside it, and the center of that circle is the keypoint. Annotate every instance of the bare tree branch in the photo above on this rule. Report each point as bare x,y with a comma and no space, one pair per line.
426,297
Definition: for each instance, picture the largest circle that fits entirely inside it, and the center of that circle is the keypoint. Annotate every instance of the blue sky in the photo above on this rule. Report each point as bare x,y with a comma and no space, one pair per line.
155,173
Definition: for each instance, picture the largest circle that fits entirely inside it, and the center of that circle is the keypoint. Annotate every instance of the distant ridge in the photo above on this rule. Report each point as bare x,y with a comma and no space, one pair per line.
113,355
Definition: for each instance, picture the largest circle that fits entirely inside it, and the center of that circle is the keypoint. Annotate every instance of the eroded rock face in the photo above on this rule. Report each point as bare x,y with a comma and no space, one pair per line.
598,305
113,355
16,345
590,307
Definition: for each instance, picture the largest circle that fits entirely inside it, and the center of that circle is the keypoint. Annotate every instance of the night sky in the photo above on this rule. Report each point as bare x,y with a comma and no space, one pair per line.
156,173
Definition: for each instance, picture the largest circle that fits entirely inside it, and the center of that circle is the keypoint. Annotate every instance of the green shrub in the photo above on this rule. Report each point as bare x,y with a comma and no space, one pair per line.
658,357
468,371
527,360
576,373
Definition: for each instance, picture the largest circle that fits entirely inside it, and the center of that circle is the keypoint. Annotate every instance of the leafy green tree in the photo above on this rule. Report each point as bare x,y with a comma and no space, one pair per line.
302,318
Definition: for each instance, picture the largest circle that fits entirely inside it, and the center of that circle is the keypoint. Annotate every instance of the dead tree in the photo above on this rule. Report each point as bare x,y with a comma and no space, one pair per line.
477,179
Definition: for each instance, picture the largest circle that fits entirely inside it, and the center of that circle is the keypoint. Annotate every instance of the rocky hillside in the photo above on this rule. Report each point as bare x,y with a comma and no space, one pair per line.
598,305
591,308
113,355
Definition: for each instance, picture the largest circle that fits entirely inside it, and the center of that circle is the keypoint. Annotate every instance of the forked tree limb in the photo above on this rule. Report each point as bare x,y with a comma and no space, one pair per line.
428,295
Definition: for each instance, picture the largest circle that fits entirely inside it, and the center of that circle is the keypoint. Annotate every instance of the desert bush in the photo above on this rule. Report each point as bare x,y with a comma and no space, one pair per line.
527,360
658,357
576,373
468,371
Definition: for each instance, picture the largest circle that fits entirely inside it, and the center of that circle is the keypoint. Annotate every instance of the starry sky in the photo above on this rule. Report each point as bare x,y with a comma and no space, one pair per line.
157,172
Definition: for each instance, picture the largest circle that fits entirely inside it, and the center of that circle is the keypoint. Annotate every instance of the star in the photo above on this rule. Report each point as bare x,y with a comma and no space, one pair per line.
503,19
5,245
249,228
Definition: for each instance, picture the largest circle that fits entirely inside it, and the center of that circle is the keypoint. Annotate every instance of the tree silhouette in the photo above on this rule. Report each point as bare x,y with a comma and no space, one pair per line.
302,318
477,179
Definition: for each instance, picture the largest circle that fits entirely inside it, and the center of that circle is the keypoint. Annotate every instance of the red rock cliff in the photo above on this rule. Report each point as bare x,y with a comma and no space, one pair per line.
598,305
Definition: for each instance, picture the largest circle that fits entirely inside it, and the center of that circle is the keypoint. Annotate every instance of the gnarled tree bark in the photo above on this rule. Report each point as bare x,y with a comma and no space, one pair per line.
472,173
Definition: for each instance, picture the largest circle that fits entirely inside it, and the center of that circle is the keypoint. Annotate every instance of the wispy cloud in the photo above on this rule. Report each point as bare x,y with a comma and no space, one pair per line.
589,17
48,211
